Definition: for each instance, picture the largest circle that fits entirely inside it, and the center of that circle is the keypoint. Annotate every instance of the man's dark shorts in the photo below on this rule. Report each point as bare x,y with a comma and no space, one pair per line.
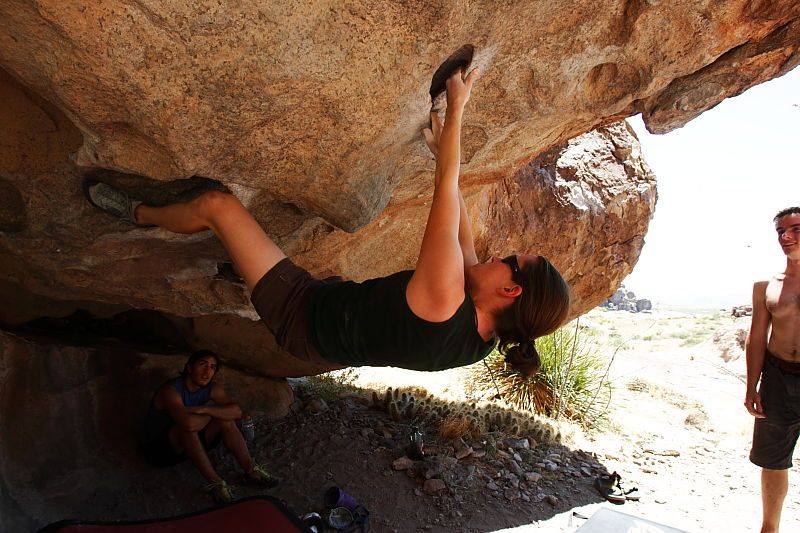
160,452
282,298
775,436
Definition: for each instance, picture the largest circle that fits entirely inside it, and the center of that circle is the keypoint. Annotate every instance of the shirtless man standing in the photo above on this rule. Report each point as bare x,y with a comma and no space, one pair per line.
776,404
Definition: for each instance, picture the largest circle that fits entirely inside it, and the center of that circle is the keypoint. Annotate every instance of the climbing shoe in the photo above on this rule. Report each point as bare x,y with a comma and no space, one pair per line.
113,201
608,487
220,491
260,476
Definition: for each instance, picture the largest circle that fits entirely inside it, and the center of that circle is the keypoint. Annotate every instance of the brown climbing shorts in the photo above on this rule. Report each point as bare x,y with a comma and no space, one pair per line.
281,298
775,436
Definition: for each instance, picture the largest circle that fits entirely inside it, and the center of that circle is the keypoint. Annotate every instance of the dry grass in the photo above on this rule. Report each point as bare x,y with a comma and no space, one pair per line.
454,427
696,417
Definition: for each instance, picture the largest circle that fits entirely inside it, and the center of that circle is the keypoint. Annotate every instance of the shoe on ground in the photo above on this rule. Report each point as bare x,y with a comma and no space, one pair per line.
113,201
260,476
605,485
220,491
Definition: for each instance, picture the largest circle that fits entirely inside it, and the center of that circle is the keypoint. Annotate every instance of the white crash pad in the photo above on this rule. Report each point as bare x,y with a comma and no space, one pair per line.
610,521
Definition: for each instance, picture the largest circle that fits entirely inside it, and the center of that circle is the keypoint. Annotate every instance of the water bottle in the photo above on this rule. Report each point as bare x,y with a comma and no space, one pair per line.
414,449
313,521
248,429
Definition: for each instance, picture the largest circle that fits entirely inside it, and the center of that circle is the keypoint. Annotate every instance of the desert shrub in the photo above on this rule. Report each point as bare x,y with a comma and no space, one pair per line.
662,392
489,443
638,384
330,385
655,335
572,382
691,336
694,340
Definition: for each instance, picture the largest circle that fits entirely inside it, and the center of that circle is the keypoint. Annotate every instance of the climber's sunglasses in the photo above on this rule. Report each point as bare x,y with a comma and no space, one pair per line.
513,264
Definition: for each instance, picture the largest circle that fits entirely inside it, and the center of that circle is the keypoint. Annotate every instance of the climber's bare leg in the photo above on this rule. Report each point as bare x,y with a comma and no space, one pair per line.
251,250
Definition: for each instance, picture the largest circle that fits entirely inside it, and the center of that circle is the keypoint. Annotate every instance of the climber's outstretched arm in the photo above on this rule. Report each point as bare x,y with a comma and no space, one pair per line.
436,289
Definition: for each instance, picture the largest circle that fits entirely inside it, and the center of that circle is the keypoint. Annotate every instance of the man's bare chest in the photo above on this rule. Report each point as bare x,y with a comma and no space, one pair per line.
783,297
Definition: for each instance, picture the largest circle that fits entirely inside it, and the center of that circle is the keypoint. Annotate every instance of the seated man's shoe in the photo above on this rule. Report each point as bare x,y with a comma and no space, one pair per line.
260,476
220,491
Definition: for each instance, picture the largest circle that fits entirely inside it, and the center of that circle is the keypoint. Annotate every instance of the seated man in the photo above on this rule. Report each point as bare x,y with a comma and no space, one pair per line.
182,423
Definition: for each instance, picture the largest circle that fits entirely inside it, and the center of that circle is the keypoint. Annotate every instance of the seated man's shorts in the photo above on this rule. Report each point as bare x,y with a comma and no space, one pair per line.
282,298
160,453
775,436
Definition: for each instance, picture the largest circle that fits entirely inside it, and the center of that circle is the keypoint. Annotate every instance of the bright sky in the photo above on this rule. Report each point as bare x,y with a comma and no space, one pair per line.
721,179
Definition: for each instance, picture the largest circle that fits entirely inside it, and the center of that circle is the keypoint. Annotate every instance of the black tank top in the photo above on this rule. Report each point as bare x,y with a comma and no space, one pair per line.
370,324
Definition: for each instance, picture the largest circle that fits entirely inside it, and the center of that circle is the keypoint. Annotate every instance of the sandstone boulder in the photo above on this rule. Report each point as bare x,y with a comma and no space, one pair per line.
624,300
320,106
584,203
311,114
599,208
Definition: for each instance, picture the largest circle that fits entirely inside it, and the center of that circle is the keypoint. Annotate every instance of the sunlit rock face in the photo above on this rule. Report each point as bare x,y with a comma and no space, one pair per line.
585,204
311,115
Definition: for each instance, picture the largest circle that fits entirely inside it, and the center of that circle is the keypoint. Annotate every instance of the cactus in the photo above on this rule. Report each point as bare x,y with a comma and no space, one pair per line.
387,399
417,404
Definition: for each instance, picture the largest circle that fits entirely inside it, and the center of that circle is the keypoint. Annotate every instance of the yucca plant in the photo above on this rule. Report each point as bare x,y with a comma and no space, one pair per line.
572,382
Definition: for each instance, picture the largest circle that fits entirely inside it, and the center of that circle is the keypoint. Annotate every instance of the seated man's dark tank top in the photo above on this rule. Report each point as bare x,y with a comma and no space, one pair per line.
370,324
157,421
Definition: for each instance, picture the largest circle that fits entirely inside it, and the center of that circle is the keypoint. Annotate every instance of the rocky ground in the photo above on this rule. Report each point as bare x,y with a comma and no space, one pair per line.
502,482
677,431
